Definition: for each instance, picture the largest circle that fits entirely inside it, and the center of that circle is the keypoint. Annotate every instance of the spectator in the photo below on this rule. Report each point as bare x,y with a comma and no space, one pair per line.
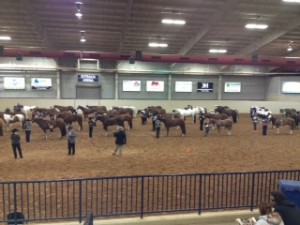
92,124
255,121
289,212
157,127
120,141
71,140
206,129
201,120
27,127
265,122
15,142
267,216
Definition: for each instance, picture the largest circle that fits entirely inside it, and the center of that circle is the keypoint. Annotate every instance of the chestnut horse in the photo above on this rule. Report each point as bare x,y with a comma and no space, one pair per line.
51,125
282,122
230,112
173,123
69,118
227,124
109,121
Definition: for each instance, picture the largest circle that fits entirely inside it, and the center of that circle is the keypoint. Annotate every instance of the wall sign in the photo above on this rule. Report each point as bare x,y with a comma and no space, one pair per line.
155,86
14,83
205,87
41,83
88,78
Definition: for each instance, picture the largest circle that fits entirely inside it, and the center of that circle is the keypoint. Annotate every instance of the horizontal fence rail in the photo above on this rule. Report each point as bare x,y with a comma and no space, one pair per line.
52,200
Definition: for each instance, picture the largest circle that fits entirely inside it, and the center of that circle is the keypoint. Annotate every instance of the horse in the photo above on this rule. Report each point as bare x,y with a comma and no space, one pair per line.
9,119
261,112
123,110
173,123
230,112
134,109
227,124
86,111
69,118
51,125
287,112
109,121
216,116
26,110
187,112
65,108
43,112
277,122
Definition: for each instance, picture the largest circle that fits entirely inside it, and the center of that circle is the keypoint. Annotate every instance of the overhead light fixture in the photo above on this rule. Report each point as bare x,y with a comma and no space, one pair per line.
82,38
260,26
5,38
295,1
78,13
173,22
157,45
217,50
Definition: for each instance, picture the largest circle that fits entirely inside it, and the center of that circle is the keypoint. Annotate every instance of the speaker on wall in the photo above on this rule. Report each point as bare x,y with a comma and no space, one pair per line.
138,55
1,50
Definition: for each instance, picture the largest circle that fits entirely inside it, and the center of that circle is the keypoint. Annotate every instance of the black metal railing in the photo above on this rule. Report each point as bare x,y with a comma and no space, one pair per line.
137,195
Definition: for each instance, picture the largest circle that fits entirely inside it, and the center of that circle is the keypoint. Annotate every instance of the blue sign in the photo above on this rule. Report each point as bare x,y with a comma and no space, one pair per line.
88,78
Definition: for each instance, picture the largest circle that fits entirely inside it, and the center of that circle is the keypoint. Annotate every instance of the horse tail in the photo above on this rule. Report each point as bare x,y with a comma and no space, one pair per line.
1,129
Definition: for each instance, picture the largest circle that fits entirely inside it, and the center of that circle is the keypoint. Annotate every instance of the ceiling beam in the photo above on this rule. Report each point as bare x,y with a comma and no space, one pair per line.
254,46
125,24
229,6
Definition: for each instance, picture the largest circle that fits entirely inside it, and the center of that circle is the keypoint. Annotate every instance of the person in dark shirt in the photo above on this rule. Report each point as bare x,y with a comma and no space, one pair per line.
157,127
120,141
91,123
289,212
71,134
15,142
27,127
201,120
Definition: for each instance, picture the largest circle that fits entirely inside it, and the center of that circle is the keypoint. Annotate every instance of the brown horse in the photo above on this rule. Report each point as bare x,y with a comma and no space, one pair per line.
173,123
51,125
86,111
282,122
123,110
64,108
229,112
69,118
227,124
109,121
43,112
216,116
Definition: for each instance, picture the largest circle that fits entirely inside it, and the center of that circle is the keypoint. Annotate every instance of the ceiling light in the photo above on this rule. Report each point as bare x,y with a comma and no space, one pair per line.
297,1
289,49
82,39
171,21
256,26
78,13
217,50
157,45
5,38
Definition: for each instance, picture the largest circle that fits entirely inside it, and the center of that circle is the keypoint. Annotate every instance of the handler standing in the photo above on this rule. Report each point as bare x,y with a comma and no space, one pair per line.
15,142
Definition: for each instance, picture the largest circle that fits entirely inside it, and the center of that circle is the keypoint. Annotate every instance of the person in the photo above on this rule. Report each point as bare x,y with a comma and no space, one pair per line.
144,118
255,121
265,122
154,117
120,141
157,127
206,129
15,142
201,120
289,212
91,123
27,127
267,216
71,140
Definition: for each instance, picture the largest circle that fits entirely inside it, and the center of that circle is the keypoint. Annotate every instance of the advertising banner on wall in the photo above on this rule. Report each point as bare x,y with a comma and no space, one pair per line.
183,86
155,86
232,87
88,78
131,85
14,83
205,87
41,83
290,87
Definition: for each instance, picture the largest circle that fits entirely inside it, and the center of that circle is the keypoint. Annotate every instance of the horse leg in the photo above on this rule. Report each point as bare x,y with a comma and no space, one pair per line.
277,130
291,131
229,132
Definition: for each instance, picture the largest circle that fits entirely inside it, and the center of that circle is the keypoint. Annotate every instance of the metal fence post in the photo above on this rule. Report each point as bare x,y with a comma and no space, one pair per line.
200,194
80,201
142,199
252,192
15,203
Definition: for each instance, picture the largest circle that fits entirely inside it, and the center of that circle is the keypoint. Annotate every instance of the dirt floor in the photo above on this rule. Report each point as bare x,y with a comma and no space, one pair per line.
244,150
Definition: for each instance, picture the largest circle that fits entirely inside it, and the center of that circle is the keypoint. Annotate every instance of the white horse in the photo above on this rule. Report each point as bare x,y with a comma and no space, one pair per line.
10,119
187,112
261,112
